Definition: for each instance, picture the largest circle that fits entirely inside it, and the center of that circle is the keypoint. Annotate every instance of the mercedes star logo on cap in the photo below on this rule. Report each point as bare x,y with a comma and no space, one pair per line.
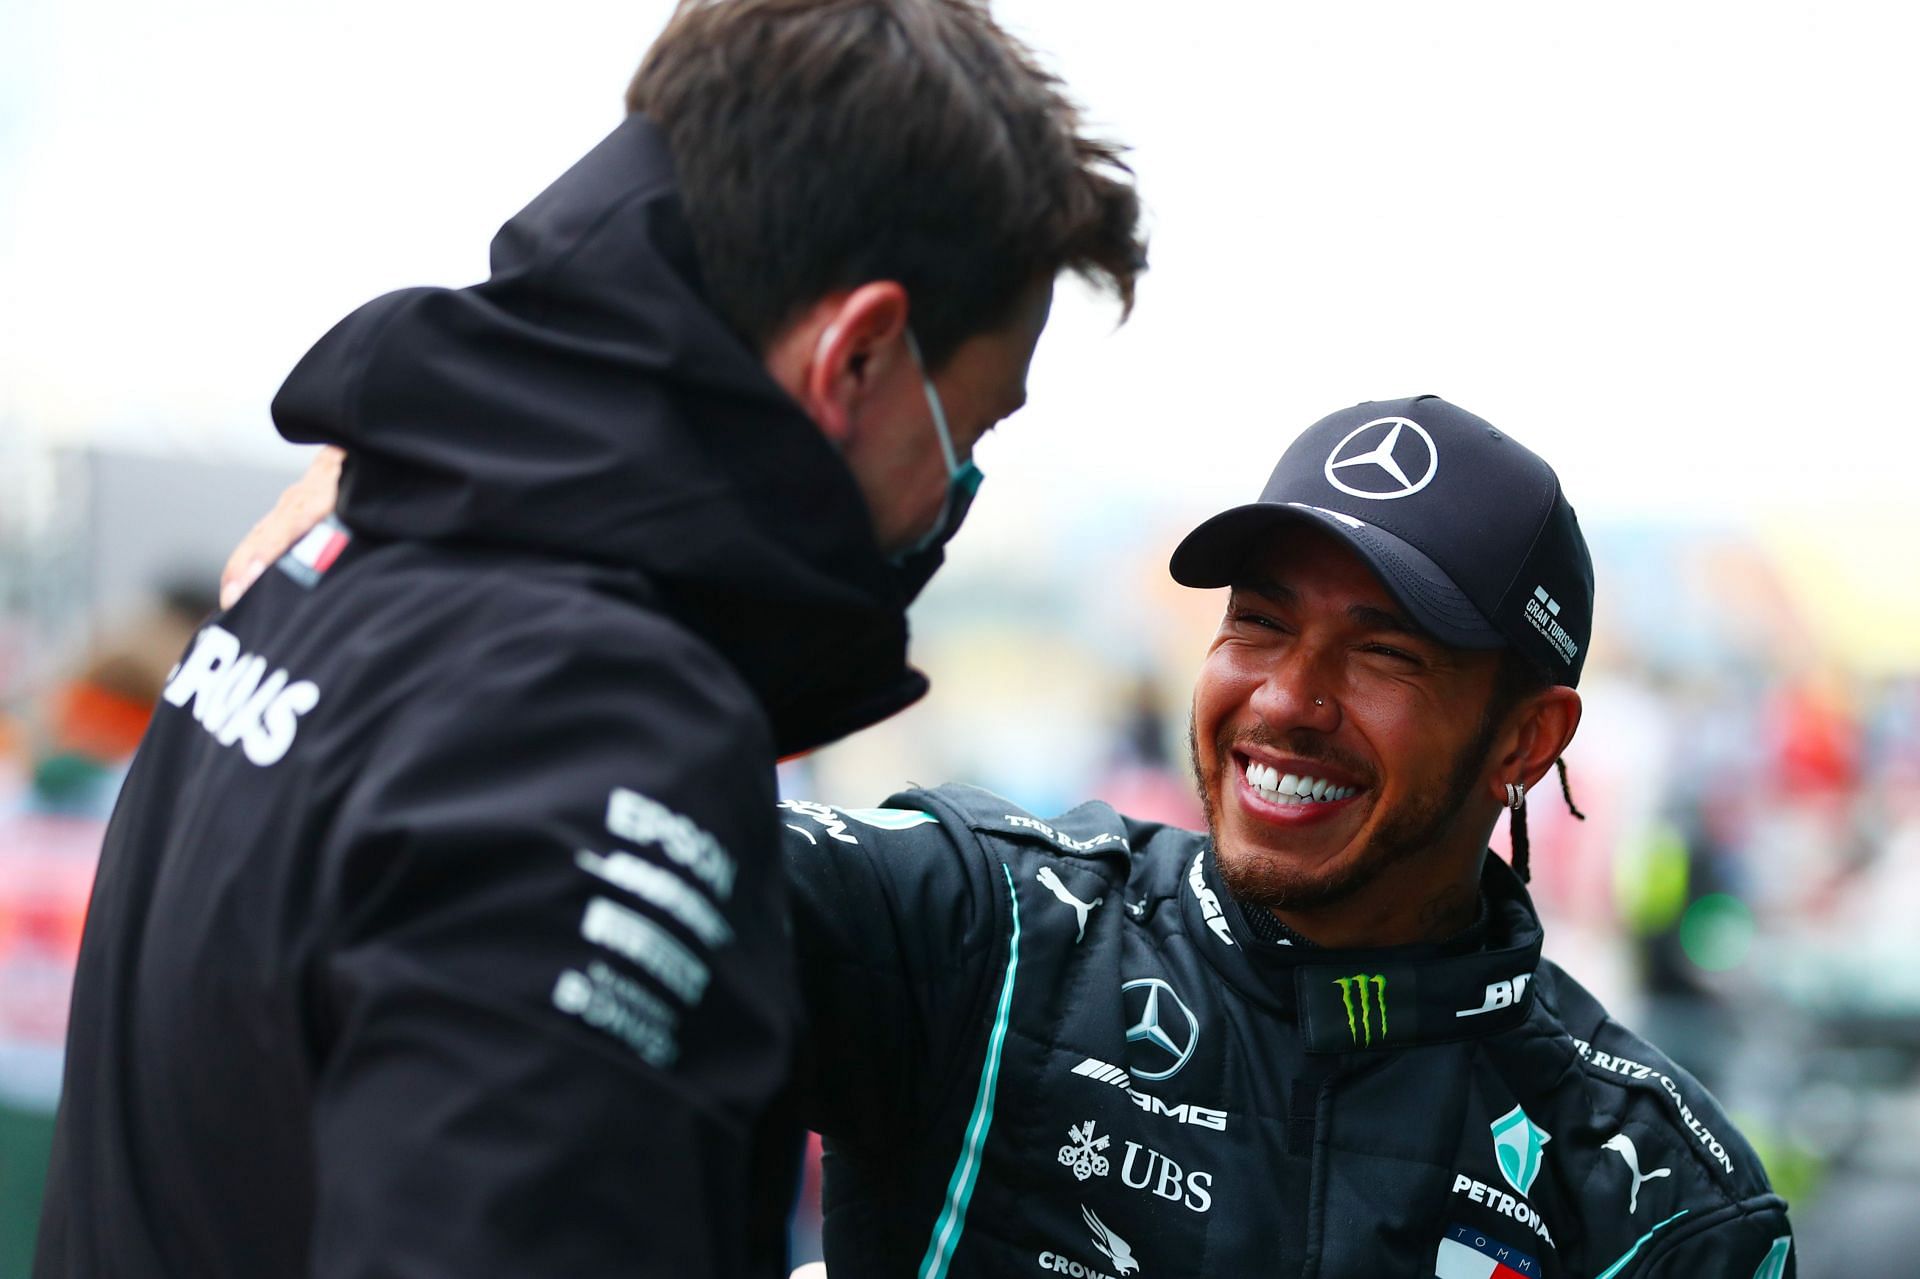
1374,456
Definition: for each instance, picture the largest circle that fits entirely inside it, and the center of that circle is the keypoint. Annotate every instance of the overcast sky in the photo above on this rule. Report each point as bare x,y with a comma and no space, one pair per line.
1672,247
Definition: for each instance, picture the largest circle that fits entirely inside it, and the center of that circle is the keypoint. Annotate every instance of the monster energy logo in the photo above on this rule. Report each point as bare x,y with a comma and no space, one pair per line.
1354,994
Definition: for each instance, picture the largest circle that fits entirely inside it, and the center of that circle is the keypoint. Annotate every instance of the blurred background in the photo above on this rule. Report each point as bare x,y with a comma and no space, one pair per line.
1670,248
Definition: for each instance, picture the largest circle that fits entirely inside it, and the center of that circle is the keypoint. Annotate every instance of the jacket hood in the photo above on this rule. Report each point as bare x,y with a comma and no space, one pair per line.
586,402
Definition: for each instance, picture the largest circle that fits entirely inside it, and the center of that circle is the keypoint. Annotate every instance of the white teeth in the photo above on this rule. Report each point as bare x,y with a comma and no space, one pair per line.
1293,788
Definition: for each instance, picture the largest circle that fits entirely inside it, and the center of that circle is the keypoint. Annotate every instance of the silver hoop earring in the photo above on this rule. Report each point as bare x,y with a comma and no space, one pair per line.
1516,795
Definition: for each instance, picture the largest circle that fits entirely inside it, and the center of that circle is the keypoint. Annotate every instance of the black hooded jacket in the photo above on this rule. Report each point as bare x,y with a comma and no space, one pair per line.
438,928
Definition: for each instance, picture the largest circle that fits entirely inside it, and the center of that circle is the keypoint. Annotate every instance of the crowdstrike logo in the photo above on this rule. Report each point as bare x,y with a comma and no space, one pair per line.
1354,997
1381,461
1165,1022
1112,1246
1116,1249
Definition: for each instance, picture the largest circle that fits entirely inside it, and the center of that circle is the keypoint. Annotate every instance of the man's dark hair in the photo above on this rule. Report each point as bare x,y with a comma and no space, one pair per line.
822,144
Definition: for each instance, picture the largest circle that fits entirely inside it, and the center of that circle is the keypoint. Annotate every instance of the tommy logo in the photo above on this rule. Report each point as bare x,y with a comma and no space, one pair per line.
1473,1252
1354,996
1544,612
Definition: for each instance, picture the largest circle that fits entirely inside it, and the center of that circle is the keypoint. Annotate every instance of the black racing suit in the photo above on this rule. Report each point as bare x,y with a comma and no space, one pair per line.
1055,1047
440,928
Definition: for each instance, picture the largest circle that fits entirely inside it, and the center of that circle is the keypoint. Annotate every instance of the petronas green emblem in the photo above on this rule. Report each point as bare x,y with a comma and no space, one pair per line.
1517,1145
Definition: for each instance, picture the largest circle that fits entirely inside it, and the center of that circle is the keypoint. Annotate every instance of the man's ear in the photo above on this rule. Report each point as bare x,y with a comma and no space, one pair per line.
1540,728
855,339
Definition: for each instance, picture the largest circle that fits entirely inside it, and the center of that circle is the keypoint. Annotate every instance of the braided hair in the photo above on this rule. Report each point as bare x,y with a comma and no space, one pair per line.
1518,678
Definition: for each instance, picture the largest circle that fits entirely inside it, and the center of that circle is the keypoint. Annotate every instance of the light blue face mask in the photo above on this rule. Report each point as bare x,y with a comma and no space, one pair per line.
963,478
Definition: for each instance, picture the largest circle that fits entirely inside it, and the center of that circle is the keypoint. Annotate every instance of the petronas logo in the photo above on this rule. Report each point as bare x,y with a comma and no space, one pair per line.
1517,1144
1364,995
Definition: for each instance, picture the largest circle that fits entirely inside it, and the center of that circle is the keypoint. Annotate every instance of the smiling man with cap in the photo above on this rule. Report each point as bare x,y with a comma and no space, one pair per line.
1387,676
1320,1040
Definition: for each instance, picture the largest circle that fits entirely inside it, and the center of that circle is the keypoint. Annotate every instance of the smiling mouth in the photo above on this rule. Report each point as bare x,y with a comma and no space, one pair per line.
1296,789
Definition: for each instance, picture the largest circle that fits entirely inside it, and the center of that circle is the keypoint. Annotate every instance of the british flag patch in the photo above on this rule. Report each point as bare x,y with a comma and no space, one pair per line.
315,553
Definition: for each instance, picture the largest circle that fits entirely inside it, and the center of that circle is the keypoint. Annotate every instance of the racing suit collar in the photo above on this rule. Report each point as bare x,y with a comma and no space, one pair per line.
1383,998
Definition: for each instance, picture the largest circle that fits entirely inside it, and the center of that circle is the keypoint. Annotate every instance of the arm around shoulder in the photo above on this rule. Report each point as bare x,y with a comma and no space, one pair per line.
898,919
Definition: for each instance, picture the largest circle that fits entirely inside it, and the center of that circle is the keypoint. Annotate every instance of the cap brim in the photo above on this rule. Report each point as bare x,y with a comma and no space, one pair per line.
1215,553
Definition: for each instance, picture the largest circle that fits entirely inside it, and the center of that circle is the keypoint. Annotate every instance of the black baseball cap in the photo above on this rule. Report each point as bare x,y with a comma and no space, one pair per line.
1465,526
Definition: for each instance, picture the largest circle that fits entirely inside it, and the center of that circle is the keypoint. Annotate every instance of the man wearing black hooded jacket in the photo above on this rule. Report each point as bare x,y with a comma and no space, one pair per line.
439,929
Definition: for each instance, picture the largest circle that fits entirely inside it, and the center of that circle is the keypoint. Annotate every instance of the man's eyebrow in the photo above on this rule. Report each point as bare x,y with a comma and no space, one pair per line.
1265,587
1380,619
1366,615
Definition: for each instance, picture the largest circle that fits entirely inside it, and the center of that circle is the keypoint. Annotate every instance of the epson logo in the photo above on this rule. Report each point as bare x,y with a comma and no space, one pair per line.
236,700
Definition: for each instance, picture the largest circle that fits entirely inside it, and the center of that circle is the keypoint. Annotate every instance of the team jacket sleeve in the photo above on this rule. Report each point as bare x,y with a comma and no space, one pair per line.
553,1003
1749,1240
896,928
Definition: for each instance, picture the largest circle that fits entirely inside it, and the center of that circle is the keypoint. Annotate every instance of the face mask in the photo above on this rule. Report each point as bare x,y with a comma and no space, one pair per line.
963,478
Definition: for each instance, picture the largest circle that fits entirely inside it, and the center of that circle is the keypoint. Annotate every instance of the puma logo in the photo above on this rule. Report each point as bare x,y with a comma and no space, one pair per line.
1623,1145
1080,909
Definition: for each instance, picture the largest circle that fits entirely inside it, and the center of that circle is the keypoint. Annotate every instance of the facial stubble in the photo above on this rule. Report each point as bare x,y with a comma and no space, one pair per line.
1270,883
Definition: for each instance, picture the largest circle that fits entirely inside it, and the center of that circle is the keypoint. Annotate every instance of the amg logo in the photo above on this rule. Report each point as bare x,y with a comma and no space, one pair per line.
1354,997
1104,1071
236,700
1186,1113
